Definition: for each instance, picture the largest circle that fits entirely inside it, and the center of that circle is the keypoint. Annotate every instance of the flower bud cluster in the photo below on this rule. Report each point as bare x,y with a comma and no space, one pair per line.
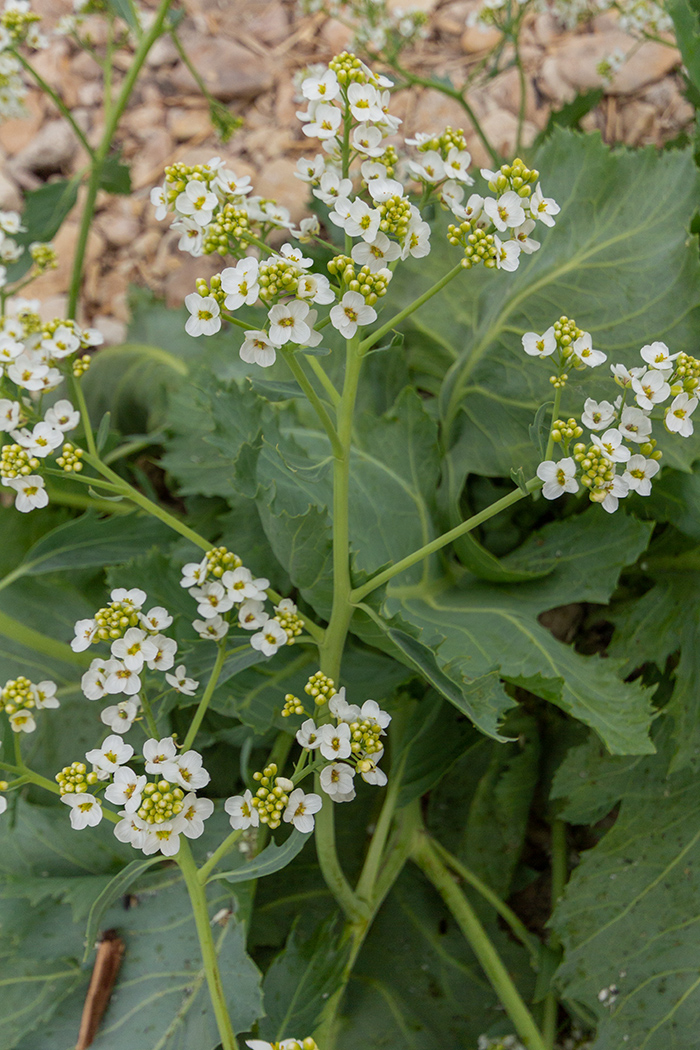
20,698
80,366
479,246
289,619
20,25
43,256
70,459
321,688
15,461
272,797
115,619
564,431
227,233
161,801
75,779
292,706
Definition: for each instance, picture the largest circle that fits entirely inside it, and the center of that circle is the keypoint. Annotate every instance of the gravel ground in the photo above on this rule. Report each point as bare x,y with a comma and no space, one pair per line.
247,52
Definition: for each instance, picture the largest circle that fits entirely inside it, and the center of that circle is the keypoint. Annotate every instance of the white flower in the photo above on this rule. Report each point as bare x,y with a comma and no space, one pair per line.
22,721
350,312
62,343
612,492
597,415
205,316
45,695
181,683
310,170
134,649
257,349
367,140
113,754
157,753
457,163
507,254
228,184
583,348
3,803
380,190
62,416
215,628
316,287
196,202
240,282
540,345
191,239
31,493
362,221
212,599
342,710
623,376
94,681
41,441
134,597
251,614
558,477
635,425
186,770
543,208
156,619
9,414
85,631
164,837
131,829
160,202
241,586
325,121
639,473
288,323
417,240
678,415
85,810
242,813
651,389
377,254
308,735
194,812
300,808
506,211
370,771
657,355
610,444
431,169
9,351
522,235
364,103
125,789
120,717
194,573
323,88
165,653
337,781
372,712
271,638
334,741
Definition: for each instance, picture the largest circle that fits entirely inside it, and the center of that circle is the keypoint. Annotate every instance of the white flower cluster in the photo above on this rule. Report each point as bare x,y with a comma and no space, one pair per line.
294,806
640,17
155,813
350,746
626,420
137,645
20,699
18,25
377,25
285,1044
222,586
499,1042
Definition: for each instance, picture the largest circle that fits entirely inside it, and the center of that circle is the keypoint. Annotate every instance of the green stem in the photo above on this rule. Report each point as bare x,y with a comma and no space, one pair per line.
447,537
523,96
507,914
320,409
150,720
218,854
198,900
374,338
57,101
559,874
78,499
204,702
376,853
320,372
442,879
555,415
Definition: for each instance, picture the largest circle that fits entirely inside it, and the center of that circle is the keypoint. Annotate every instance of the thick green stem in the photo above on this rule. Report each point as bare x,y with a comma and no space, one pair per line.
150,720
375,853
447,537
555,415
218,854
442,879
318,405
198,900
325,381
208,693
374,338
559,875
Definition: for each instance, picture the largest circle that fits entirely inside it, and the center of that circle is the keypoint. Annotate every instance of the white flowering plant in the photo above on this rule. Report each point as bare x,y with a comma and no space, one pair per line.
335,550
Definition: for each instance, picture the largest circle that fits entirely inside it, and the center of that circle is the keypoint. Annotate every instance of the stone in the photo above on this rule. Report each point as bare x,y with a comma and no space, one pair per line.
57,281
147,169
185,124
118,230
637,122
426,6
336,37
90,94
163,53
433,112
113,330
50,151
650,63
277,180
505,92
501,129
10,196
181,282
15,135
475,39
575,63
229,71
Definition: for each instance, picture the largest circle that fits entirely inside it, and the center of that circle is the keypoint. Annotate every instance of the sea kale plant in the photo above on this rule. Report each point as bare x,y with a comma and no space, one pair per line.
296,617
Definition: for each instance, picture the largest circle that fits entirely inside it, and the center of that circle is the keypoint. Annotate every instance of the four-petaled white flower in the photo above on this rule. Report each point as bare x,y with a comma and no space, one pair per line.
44,694
241,586
651,389
638,474
197,202
62,416
252,614
325,121
157,753
85,810
351,312
194,573
540,345
215,628
678,414
194,812
431,167
505,212
543,208
322,88
583,349
271,638
367,139
120,717
610,444
315,287
558,477
85,631
507,254
657,355
134,648
364,103
240,283
186,770
342,710
334,741
300,809
522,235
597,415
257,349
122,679
377,254
372,712
288,323
165,653
308,735
163,838
337,781
457,164
22,721
113,754
181,683
610,495
213,599
156,619
205,315
635,425
242,813
125,789
417,240
31,492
